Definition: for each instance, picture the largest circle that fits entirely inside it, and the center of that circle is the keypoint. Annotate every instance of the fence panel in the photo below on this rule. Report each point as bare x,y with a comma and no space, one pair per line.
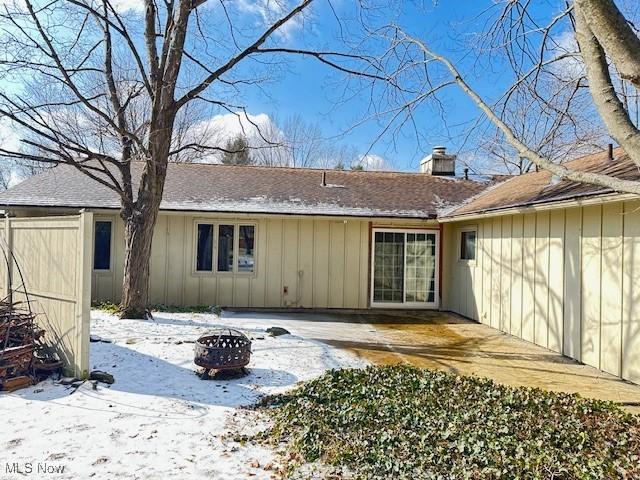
50,268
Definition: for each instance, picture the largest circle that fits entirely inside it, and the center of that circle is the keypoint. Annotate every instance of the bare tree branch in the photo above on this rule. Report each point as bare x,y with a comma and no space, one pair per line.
614,33
611,109
559,170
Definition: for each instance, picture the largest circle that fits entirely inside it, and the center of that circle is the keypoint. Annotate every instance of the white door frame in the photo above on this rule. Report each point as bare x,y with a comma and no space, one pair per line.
417,305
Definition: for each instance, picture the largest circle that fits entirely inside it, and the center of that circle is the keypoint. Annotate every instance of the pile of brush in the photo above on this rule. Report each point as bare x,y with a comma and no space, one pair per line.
24,356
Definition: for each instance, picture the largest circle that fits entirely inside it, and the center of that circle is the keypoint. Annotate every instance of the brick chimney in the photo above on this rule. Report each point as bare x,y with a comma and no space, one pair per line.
439,163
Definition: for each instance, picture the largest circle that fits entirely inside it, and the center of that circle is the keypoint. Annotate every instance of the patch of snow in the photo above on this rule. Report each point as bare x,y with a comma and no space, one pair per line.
290,207
158,419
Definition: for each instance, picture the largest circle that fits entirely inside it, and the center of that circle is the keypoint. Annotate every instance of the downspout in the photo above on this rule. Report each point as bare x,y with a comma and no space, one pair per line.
370,253
440,257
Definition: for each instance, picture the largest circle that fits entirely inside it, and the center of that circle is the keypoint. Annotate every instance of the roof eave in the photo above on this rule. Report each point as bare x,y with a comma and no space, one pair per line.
592,198
345,214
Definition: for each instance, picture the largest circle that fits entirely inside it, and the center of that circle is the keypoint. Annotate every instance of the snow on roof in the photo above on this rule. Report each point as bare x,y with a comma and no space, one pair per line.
257,189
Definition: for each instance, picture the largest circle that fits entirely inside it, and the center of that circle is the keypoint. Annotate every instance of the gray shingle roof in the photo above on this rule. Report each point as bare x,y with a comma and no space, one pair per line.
257,189
539,187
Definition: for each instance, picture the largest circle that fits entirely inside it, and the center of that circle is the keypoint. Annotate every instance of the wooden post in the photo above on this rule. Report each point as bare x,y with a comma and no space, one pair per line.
83,292
8,294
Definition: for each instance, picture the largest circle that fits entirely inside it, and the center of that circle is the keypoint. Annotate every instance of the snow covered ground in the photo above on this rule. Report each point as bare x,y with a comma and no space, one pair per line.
158,419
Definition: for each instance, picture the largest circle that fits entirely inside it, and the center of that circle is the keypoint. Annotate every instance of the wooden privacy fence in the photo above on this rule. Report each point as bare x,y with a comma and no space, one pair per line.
49,266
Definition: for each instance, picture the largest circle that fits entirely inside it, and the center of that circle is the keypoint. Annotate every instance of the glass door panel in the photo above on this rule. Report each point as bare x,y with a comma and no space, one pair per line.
404,268
420,268
388,277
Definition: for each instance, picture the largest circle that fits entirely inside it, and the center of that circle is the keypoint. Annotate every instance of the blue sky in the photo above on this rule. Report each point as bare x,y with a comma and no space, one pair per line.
305,87
308,88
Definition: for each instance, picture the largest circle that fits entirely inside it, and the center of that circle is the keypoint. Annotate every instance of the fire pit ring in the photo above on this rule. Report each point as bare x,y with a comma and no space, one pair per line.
223,349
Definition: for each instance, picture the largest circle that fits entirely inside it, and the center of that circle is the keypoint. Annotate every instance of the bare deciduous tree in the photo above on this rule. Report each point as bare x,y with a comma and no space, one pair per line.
300,144
541,110
98,88
238,152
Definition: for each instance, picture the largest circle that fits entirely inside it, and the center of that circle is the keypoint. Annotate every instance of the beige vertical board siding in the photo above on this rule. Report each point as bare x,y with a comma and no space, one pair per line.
274,263
336,263
193,284
541,282
459,277
471,300
454,271
630,360
572,309
259,281
591,278
478,267
505,275
321,250
290,271
323,263
528,276
118,259
53,255
487,232
496,266
556,280
516,275
365,241
352,263
447,280
158,265
573,277
176,243
305,262
612,289
467,292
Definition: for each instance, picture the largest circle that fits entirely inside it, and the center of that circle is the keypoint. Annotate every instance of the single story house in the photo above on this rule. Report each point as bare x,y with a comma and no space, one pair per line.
550,261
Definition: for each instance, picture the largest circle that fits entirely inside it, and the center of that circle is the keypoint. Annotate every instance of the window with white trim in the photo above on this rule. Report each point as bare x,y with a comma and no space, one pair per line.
102,245
246,239
468,240
204,247
225,248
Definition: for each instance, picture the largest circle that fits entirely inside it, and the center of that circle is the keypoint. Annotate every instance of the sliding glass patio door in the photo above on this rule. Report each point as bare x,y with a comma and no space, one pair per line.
404,268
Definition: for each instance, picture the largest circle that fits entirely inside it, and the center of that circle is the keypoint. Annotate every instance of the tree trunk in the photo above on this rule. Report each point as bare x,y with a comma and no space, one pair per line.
139,223
614,115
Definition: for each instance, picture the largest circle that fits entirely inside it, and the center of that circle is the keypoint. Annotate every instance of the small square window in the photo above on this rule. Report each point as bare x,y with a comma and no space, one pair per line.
102,246
468,245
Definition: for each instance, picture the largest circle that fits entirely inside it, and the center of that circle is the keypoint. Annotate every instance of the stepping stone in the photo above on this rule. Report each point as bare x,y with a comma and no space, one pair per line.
277,331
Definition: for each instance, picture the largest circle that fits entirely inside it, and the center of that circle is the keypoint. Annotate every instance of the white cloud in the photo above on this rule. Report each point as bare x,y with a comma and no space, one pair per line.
269,11
231,124
373,162
123,6
9,138
259,129
571,68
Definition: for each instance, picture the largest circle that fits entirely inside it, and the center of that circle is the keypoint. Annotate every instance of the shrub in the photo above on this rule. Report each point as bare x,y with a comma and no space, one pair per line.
401,422
113,308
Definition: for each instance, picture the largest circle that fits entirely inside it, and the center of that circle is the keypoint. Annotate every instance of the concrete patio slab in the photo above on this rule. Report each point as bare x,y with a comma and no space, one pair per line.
449,342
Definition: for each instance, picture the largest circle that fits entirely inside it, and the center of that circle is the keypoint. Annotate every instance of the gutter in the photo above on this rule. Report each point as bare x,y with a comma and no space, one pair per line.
597,198
225,212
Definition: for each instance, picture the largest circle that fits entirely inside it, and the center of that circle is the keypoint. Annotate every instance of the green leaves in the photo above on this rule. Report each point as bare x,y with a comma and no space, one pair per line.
403,422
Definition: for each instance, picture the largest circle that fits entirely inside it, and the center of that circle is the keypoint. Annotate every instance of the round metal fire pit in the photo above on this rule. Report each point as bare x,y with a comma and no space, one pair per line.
223,349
